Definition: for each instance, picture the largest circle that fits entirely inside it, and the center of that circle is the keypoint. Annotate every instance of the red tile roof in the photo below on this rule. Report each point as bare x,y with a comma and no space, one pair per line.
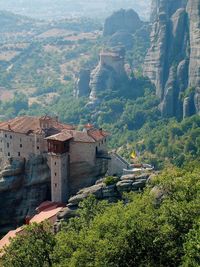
46,214
47,210
55,131
97,135
47,204
62,137
28,125
5,241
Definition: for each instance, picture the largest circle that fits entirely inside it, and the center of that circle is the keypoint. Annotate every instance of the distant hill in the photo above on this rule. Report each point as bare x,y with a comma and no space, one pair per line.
50,9
11,23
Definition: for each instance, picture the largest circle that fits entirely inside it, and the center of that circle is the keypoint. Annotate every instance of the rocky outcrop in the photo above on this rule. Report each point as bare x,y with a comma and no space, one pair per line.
109,73
112,193
122,20
172,62
121,28
82,84
193,10
23,186
121,38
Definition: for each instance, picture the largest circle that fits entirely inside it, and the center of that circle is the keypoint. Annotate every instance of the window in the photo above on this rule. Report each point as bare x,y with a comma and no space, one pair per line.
7,145
102,142
8,154
55,173
20,145
38,147
10,136
55,185
19,154
5,135
20,139
55,163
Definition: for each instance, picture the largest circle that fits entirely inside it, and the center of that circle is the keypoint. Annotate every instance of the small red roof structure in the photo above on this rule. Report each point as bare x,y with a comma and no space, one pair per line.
48,204
47,211
48,214
97,135
5,241
62,137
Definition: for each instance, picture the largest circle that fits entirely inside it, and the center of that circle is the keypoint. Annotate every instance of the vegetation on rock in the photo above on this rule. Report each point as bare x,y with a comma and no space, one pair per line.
157,228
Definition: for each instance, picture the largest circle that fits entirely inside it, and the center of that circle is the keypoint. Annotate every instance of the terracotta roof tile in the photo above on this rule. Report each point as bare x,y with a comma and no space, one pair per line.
28,125
47,204
62,137
5,241
97,135
46,214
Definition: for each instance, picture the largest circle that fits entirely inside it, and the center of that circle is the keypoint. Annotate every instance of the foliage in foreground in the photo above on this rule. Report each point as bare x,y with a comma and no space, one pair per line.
31,248
158,228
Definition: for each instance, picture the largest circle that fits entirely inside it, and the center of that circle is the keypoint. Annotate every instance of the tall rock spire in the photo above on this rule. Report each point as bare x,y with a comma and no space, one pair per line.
173,60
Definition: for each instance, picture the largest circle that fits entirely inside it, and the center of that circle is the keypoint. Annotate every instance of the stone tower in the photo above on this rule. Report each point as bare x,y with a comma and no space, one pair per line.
59,157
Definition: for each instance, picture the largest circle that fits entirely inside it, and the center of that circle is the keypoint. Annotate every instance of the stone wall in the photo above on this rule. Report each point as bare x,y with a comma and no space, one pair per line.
116,165
21,145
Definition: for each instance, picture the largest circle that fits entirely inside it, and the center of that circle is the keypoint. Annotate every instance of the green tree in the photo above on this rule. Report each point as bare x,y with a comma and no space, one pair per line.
32,248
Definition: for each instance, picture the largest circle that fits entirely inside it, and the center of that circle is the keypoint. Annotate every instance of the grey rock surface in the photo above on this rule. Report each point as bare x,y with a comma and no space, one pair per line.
101,191
82,84
23,187
173,60
193,10
125,20
122,38
109,74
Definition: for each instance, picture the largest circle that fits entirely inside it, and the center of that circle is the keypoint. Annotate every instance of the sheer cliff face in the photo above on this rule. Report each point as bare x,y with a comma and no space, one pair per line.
193,9
23,186
172,62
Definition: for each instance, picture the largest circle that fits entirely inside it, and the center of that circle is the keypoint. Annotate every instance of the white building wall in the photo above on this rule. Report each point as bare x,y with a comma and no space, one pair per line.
21,145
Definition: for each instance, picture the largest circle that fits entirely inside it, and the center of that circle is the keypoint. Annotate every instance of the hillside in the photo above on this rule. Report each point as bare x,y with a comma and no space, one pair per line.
49,9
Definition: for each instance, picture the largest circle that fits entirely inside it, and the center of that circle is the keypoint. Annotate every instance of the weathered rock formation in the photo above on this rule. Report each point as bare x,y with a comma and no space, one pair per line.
122,20
112,193
121,27
173,60
121,38
108,74
23,186
193,10
82,84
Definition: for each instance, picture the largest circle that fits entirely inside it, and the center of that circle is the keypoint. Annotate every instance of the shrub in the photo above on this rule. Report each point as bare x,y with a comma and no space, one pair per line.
110,180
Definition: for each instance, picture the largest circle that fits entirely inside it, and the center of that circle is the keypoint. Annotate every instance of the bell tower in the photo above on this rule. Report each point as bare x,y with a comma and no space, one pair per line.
58,150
